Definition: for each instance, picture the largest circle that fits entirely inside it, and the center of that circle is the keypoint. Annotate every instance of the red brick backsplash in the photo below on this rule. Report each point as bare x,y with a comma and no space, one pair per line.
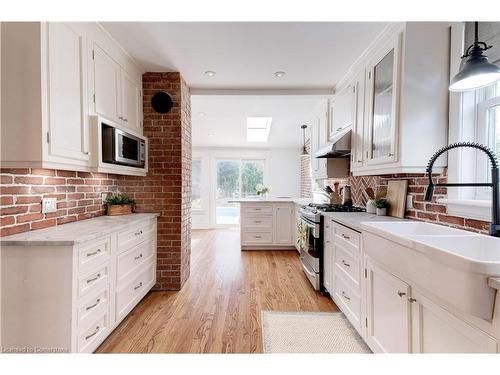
423,211
78,197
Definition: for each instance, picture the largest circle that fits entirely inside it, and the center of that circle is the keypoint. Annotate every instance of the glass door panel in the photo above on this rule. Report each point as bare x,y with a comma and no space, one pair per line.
252,174
382,133
228,187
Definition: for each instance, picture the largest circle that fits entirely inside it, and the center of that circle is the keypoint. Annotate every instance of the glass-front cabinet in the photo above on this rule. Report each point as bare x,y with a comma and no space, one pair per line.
382,80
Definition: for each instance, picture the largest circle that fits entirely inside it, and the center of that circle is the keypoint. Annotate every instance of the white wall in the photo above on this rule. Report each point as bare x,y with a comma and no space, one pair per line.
281,174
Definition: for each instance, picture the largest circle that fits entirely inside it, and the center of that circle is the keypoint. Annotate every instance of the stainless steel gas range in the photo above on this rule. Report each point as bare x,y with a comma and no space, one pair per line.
311,229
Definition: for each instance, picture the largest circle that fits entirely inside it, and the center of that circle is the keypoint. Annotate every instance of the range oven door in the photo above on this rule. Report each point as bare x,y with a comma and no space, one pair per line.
310,250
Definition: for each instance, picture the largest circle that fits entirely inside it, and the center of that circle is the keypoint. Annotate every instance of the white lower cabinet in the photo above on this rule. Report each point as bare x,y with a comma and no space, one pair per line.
436,330
388,311
267,225
70,297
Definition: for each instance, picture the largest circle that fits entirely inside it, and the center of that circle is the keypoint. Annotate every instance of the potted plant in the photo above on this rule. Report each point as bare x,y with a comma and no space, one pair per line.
118,204
381,205
261,190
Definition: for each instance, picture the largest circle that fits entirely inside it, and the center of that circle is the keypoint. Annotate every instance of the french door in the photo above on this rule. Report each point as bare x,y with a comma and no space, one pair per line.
234,179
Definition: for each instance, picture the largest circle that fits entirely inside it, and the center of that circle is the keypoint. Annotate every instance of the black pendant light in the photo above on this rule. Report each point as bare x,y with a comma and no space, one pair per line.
304,150
475,69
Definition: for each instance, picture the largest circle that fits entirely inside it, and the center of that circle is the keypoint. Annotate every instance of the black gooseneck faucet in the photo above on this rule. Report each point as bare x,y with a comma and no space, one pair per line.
495,184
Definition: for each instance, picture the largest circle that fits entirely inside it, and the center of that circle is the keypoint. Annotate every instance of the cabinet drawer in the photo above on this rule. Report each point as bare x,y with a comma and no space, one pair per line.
350,238
348,264
131,237
348,301
90,337
91,306
248,237
94,254
128,295
257,222
265,209
130,260
93,280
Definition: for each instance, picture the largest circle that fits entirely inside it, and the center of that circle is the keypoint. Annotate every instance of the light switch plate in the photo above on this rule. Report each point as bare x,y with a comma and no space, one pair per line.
49,205
104,196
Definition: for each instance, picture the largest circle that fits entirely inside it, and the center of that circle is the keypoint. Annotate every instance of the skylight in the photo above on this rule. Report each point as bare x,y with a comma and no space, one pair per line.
258,128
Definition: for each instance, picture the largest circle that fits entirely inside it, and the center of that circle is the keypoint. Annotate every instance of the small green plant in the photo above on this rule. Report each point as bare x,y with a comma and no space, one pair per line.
381,203
118,199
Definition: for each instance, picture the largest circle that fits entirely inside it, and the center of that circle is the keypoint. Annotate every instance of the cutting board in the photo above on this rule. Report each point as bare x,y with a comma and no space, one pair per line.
396,196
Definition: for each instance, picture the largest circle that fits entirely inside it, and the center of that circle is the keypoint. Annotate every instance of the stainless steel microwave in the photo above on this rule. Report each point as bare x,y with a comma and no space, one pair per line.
120,147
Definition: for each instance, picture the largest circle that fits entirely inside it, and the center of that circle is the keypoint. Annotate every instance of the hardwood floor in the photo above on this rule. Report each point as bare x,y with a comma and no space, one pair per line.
218,310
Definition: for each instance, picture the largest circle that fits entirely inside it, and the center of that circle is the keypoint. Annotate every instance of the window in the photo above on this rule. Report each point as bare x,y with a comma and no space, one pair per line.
196,185
235,179
474,117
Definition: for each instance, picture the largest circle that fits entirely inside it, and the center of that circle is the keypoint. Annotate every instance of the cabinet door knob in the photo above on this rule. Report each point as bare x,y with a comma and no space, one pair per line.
411,300
401,294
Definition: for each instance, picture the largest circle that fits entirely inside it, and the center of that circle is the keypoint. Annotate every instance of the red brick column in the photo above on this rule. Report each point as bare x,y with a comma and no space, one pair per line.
167,187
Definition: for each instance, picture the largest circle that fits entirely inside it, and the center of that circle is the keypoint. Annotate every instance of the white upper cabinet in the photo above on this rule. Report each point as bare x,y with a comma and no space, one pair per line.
341,113
382,100
131,101
117,94
68,133
318,135
106,85
401,97
358,129
54,75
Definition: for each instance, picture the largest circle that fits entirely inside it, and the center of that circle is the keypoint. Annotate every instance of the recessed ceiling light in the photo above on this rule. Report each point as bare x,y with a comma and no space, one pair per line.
201,114
279,74
210,73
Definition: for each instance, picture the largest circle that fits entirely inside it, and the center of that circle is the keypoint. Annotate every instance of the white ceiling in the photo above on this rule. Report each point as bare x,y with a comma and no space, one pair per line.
314,55
225,117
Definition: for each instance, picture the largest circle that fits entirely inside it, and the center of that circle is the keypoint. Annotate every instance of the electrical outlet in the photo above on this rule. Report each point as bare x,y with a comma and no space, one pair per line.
409,201
49,205
103,197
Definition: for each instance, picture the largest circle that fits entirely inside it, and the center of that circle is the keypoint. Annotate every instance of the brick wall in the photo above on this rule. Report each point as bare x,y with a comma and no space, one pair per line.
78,197
167,187
305,173
423,211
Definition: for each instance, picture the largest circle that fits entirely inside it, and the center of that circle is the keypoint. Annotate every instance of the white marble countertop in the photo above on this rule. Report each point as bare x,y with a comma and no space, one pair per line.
301,201
74,233
354,219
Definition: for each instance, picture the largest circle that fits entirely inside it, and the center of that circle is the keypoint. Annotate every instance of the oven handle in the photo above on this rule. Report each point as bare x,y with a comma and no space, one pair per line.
306,270
308,222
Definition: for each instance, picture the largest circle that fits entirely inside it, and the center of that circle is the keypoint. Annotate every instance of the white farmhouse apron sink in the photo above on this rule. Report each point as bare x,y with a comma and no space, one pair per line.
452,264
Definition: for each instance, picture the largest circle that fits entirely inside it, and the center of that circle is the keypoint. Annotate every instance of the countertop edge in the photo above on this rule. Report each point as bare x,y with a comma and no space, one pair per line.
6,241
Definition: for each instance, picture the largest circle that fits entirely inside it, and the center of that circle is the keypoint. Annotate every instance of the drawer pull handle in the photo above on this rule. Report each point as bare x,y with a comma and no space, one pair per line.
401,294
345,263
346,237
138,257
94,333
94,253
257,209
258,221
258,236
98,276
345,296
138,233
94,305
411,300
138,286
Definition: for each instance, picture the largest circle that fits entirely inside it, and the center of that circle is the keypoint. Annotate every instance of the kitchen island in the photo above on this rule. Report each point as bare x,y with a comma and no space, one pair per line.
269,223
